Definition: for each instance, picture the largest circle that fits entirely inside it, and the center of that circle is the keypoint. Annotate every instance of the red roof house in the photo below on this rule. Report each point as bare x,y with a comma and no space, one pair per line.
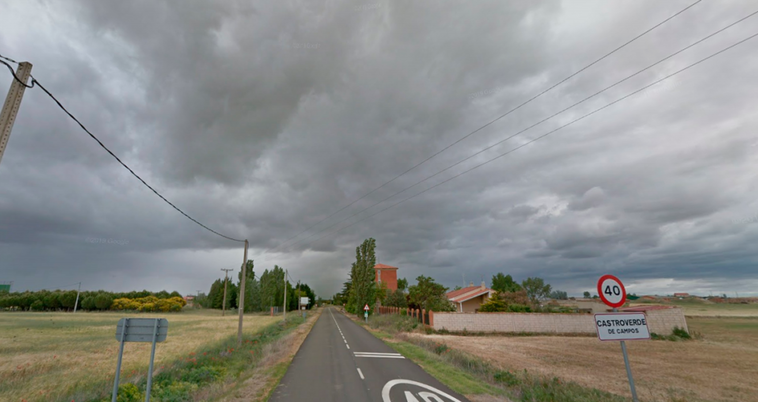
470,298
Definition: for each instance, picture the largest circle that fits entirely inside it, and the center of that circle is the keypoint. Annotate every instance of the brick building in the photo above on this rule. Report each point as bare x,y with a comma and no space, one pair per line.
386,274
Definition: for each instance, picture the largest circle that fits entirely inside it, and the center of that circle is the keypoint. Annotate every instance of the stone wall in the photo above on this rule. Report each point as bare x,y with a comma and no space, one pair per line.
661,321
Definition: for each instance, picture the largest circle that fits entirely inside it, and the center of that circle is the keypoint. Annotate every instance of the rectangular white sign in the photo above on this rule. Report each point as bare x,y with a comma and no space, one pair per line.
305,300
621,326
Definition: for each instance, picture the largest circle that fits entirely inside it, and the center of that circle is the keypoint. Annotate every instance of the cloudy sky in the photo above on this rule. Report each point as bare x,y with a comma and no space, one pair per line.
260,119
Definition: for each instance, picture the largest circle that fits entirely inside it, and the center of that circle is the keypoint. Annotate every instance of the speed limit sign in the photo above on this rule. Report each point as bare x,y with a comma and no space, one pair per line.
611,291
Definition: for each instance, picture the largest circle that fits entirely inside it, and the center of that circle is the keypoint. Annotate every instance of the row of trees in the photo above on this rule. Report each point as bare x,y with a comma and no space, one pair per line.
512,296
65,300
261,293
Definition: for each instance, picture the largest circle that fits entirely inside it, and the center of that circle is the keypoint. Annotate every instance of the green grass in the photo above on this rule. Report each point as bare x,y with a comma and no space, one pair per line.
221,362
38,350
469,375
458,380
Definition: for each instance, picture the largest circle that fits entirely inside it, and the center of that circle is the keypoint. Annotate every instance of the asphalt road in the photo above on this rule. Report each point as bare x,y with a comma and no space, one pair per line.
341,361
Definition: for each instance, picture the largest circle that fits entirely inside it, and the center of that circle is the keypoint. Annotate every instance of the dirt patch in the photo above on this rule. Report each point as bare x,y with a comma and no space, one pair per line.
695,370
265,376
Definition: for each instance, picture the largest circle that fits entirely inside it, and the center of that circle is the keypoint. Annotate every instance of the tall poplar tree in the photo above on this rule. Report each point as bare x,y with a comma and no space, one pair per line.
363,289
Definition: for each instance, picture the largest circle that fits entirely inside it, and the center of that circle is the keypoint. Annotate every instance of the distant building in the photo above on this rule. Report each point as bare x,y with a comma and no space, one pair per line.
386,274
190,300
470,298
681,295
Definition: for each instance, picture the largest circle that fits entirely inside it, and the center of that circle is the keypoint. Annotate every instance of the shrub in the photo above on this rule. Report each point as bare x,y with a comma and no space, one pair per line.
178,391
681,332
129,393
519,308
203,374
507,378
441,348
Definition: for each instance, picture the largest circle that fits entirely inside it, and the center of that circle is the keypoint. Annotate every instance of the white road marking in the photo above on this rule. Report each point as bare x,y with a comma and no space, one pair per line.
427,396
361,374
338,328
379,355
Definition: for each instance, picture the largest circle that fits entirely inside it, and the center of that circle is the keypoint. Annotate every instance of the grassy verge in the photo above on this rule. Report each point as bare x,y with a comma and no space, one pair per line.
207,372
469,375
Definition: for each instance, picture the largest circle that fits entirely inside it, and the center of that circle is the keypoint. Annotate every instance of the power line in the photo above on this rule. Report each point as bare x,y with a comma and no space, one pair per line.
542,136
491,122
35,81
531,126
13,73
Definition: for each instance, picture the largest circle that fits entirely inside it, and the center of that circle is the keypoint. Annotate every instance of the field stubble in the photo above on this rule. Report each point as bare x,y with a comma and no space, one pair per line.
49,356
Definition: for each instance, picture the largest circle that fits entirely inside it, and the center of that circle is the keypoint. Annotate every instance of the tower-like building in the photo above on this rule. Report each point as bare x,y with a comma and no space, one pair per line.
386,274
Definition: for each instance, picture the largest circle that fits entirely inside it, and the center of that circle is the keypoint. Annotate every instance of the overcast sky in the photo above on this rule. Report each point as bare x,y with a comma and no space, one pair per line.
260,119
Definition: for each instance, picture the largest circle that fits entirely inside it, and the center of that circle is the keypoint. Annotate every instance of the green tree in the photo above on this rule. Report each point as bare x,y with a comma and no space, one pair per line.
536,289
429,295
362,276
559,295
396,298
88,303
587,295
402,284
504,283
103,301
68,299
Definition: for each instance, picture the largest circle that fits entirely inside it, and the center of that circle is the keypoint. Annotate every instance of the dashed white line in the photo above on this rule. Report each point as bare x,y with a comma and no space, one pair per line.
338,328
361,374
379,355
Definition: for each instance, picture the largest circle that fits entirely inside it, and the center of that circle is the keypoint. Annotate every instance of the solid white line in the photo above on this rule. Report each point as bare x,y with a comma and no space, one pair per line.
381,357
361,374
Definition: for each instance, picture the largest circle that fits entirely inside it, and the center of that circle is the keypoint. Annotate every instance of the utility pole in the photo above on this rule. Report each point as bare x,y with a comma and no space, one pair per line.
12,104
284,316
241,302
226,280
76,303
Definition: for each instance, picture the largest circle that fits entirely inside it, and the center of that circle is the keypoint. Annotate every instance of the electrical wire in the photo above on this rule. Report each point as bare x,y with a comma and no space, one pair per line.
35,81
493,121
13,73
542,136
531,126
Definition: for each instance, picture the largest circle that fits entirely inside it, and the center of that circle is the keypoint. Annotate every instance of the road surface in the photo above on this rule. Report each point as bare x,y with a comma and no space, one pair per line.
341,361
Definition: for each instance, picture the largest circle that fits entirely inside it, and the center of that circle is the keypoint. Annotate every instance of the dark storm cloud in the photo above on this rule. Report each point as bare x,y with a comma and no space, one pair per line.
261,119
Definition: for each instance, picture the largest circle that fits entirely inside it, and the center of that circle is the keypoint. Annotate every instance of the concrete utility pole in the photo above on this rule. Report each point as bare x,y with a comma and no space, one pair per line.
76,303
12,104
226,280
284,316
241,302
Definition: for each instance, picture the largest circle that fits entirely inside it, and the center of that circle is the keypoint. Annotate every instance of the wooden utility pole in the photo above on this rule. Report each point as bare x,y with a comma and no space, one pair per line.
12,104
284,316
241,302
226,280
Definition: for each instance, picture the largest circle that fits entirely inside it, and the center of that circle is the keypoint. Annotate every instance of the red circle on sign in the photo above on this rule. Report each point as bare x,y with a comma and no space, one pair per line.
611,298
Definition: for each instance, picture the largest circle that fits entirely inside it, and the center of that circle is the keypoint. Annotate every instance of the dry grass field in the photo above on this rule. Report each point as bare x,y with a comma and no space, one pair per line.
47,356
705,308
722,366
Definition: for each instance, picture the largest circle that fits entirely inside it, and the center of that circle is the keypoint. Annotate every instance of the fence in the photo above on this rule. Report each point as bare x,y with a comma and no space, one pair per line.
420,315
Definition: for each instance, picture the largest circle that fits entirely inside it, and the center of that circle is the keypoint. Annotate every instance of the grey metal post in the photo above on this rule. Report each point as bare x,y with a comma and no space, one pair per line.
152,358
118,365
628,369
629,372
76,304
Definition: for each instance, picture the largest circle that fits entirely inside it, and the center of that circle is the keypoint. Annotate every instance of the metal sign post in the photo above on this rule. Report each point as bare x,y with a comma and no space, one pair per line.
139,330
612,292
366,308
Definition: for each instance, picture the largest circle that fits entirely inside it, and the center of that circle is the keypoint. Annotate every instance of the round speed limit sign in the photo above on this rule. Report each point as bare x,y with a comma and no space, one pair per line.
611,291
